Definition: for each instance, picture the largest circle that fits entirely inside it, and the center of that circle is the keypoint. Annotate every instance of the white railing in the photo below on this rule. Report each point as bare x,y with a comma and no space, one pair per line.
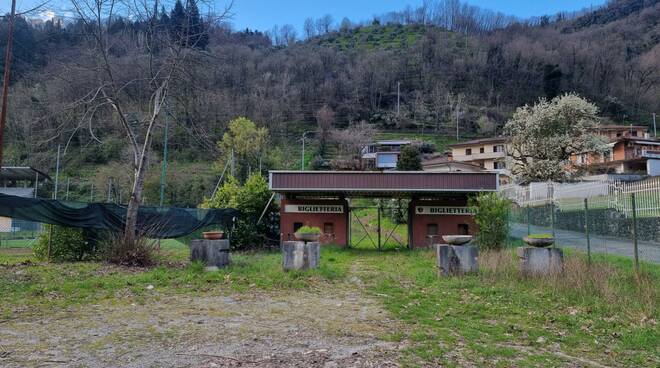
600,194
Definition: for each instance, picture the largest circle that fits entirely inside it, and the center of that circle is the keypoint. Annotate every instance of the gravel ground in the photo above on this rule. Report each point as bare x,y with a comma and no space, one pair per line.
331,328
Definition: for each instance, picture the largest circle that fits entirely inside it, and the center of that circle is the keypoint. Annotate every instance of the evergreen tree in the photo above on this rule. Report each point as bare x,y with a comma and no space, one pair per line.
177,22
164,18
196,32
410,159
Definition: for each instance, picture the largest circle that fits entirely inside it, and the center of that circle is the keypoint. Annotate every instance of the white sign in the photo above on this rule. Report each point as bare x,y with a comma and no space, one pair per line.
433,210
313,208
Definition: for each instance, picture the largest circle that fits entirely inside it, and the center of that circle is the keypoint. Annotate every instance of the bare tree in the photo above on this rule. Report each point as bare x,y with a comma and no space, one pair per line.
324,24
325,117
309,28
288,34
136,100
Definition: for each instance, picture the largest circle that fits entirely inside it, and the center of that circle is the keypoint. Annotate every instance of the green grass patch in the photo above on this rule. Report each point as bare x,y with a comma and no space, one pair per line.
603,312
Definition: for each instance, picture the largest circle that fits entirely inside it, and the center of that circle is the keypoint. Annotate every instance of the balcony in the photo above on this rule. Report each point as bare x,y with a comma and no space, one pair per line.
480,156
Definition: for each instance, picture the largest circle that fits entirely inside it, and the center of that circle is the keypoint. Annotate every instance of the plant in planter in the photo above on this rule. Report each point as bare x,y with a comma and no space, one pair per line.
539,240
213,235
308,233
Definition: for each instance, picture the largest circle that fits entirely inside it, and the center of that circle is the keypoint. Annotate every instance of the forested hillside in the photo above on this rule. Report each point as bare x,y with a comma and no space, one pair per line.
443,66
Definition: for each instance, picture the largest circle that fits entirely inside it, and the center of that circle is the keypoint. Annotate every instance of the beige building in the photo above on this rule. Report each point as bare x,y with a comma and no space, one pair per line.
615,132
487,153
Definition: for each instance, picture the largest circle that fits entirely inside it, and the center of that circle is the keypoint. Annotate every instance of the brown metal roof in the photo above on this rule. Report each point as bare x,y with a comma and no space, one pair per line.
375,183
22,173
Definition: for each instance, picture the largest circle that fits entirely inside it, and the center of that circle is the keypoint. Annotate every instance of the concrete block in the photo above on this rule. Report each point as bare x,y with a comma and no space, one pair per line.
298,255
456,259
468,258
214,253
541,261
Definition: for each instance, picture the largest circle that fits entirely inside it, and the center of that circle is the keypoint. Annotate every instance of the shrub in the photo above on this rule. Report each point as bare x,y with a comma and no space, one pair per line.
309,230
539,236
491,214
251,198
410,159
66,244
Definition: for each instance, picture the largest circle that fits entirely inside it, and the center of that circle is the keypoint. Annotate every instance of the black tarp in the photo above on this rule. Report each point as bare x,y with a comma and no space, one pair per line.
155,222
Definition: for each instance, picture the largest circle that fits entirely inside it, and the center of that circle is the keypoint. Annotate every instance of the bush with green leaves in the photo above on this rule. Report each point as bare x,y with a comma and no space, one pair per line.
67,244
491,215
251,199
308,230
410,159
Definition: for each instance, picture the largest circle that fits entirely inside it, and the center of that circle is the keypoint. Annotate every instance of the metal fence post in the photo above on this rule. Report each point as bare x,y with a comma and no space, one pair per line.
379,214
529,221
552,217
634,232
586,230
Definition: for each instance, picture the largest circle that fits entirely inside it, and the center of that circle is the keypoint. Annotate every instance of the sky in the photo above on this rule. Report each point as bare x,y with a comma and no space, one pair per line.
263,15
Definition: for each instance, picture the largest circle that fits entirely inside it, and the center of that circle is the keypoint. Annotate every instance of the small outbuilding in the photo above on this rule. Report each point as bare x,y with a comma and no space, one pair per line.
437,206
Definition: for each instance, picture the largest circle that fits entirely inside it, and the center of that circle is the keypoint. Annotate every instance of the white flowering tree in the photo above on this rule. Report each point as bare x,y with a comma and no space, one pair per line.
544,136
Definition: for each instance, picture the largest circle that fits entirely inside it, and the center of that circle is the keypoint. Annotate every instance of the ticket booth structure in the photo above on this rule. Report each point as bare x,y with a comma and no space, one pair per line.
438,201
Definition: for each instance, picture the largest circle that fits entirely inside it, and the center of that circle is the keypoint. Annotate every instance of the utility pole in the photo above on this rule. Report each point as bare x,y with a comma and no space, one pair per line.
655,131
398,98
5,83
456,122
164,169
302,154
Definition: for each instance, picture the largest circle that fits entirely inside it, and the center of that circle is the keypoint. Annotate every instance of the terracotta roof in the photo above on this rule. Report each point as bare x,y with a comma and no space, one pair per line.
437,160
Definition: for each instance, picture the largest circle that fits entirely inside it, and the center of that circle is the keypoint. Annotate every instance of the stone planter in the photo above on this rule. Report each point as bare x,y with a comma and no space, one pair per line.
456,259
300,255
307,237
538,242
214,253
541,261
457,239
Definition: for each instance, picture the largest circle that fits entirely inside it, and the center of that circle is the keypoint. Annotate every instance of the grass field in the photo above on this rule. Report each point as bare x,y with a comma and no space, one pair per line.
496,318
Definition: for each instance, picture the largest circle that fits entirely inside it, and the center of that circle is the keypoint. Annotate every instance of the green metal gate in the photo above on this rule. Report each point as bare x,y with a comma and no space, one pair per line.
370,227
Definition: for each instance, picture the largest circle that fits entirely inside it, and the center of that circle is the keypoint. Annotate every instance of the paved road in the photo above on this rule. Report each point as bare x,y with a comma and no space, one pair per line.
648,251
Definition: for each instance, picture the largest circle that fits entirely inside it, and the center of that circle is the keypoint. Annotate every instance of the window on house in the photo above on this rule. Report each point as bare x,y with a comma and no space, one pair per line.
328,228
463,229
634,133
619,134
468,151
296,226
498,148
482,150
498,165
431,229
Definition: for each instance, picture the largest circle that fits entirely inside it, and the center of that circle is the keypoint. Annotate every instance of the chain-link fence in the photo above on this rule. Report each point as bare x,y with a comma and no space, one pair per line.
595,218
16,233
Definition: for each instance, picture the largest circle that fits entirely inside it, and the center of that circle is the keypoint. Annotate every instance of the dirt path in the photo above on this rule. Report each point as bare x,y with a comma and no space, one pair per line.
328,328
